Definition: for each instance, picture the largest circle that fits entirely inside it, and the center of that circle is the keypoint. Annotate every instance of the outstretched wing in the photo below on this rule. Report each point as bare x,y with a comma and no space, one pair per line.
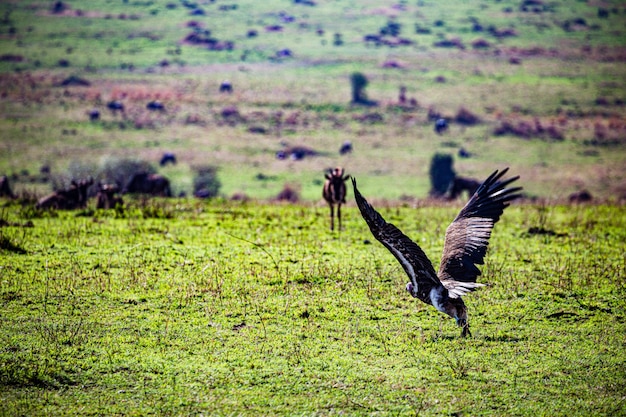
414,261
467,237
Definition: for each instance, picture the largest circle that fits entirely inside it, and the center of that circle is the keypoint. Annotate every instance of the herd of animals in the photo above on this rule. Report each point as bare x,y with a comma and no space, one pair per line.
108,195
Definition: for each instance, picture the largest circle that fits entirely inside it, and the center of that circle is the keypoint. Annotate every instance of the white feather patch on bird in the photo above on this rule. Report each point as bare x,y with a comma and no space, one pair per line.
457,289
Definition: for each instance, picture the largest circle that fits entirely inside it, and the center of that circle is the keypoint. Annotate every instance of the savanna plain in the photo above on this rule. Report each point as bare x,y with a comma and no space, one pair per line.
242,304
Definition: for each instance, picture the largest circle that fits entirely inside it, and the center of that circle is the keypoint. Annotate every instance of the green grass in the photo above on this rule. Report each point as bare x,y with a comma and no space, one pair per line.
257,309
184,307
564,72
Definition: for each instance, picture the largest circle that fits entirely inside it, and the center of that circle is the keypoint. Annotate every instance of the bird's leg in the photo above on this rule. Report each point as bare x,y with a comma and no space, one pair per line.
466,330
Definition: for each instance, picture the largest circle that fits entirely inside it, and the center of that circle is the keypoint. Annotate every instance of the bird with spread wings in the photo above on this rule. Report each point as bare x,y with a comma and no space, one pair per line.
465,246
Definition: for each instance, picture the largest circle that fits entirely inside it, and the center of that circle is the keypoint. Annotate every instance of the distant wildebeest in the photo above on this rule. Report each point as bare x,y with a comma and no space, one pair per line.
464,153
402,95
69,199
346,147
375,39
295,153
226,87
334,193
441,125
155,105
94,115
106,198
145,183
203,193
167,158
59,7
284,53
460,184
5,188
83,186
115,106
582,196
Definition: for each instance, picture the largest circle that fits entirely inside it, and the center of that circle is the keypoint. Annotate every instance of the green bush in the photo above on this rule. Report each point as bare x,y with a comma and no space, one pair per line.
120,171
359,82
206,184
441,174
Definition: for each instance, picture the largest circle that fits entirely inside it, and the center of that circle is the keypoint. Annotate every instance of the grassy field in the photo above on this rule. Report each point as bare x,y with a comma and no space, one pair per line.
549,77
192,308
189,307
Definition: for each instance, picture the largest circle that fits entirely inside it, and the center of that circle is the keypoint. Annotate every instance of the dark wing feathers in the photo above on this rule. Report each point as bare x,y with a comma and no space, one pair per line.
414,261
491,198
467,237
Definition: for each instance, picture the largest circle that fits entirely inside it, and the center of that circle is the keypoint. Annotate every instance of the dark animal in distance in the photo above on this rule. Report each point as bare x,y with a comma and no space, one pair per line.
69,199
145,183
346,147
5,188
155,105
284,53
295,153
466,242
464,153
582,196
226,87
441,125
402,95
94,115
167,158
115,106
460,184
106,198
334,193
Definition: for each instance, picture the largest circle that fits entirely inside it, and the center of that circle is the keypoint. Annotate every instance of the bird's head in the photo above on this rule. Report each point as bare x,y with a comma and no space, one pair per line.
411,289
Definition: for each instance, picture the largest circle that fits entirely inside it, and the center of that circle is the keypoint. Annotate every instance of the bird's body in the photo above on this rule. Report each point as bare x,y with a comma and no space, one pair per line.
466,243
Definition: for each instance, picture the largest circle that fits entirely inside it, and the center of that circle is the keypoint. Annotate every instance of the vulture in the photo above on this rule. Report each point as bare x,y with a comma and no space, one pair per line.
465,246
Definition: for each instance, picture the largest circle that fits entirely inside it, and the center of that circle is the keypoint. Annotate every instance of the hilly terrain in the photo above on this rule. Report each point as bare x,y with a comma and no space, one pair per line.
534,85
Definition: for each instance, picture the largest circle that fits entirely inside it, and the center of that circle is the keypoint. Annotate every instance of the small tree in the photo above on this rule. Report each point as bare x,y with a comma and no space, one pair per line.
121,171
206,184
441,174
359,82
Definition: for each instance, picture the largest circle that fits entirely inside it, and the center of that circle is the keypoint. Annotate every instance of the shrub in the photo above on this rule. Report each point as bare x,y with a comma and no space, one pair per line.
76,170
120,171
206,184
441,174
466,117
288,193
359,82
